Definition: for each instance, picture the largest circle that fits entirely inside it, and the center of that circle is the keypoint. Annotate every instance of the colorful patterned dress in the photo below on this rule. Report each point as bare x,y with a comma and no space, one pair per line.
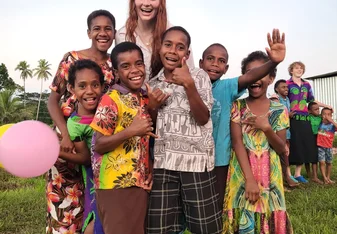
268,214
65,185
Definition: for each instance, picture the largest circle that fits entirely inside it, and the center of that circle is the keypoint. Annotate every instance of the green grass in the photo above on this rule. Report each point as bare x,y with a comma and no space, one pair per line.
312,207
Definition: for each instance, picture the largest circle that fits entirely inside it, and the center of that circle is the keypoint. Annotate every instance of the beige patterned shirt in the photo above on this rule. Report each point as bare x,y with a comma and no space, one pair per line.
183,145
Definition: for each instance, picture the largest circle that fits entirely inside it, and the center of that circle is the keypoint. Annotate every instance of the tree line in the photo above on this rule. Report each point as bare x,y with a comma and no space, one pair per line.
15,103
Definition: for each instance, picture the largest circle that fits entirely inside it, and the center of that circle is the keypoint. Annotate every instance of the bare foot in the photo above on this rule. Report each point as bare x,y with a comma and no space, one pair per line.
286,189
331,181
326,181
291,183
316,180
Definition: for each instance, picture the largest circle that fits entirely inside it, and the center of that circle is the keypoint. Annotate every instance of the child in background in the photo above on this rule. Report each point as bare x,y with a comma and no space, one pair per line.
325,137
67,204
281,89
121,163
254,200
215,62
302,142
315,120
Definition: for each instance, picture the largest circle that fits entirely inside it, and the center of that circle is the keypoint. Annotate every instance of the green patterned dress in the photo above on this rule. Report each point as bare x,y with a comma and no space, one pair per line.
268,214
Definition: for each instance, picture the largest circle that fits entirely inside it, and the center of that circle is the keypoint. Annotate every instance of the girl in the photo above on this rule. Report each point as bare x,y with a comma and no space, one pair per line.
146,23
101,31
254,201
69,204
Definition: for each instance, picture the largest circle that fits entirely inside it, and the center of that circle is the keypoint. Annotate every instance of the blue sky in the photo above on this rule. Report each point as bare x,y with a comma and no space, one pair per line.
36,29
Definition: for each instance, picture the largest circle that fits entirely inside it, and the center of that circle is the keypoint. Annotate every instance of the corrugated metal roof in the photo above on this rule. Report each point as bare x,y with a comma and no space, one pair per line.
331,74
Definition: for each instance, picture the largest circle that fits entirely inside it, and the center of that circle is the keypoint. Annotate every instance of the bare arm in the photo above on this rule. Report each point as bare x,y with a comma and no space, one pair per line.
277,140
198,108
82,155
276,53
323,105
255,74
105,144
251,188
140,126
58,118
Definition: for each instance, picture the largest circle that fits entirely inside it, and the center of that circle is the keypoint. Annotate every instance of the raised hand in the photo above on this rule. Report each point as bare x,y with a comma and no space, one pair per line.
181,75
277,50
156,97
142,125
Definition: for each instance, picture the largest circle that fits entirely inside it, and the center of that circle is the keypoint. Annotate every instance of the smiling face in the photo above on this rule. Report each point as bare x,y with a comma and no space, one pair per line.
102,33
87,89
214,62
173,49
282,89
130,70
147,10
297,71
259,88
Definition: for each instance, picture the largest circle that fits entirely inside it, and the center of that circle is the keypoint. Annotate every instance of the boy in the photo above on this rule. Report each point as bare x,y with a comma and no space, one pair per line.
121,164
315,120
281,89
183,176
325,137
101,31
214,62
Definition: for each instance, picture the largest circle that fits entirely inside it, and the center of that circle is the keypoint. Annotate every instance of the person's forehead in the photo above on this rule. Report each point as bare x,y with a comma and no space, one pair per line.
215,49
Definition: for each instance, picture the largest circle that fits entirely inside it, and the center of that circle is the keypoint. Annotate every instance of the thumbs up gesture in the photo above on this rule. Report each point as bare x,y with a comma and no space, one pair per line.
156,97
181,75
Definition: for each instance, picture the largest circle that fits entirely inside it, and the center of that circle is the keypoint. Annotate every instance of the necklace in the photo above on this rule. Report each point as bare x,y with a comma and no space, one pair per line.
143,38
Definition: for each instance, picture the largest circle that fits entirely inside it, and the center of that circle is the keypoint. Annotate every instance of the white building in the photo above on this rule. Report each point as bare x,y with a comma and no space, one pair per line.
325,89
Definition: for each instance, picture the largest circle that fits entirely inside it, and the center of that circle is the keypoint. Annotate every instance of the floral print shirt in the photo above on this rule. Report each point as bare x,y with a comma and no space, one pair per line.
128,164
60,80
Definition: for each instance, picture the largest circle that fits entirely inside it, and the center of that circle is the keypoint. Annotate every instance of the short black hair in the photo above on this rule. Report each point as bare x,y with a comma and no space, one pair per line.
215,44
311,104
324,109
256,56
121,48
97,13
180,29
84,64
278,83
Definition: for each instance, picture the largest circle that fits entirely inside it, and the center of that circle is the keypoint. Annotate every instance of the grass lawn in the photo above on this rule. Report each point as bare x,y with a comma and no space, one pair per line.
312,208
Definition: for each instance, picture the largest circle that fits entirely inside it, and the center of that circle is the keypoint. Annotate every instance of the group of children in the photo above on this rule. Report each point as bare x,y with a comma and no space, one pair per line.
215,166
310,137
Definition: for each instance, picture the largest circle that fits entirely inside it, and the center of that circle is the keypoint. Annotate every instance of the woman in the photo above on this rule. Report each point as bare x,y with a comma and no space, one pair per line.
145,25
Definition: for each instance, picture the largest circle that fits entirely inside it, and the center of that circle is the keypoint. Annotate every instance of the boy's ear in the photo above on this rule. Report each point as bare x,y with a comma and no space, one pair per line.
271,80
226,69
200,63
188,54
89,33
70,88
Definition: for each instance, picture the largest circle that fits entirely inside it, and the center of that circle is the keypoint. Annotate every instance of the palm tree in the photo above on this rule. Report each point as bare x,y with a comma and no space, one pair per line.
23,67
42,72
10,107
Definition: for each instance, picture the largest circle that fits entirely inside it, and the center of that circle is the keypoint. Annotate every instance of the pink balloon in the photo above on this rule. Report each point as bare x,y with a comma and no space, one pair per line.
29,148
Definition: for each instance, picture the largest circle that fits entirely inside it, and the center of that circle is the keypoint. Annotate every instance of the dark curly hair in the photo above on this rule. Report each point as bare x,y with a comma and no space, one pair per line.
84,64
97,13
256,56
278,83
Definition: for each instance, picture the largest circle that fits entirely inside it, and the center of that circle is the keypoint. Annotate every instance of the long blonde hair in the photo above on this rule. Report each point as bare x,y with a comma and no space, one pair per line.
159,28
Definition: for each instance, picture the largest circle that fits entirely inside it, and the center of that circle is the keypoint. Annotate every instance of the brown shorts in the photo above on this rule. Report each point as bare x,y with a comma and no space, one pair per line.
122,210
